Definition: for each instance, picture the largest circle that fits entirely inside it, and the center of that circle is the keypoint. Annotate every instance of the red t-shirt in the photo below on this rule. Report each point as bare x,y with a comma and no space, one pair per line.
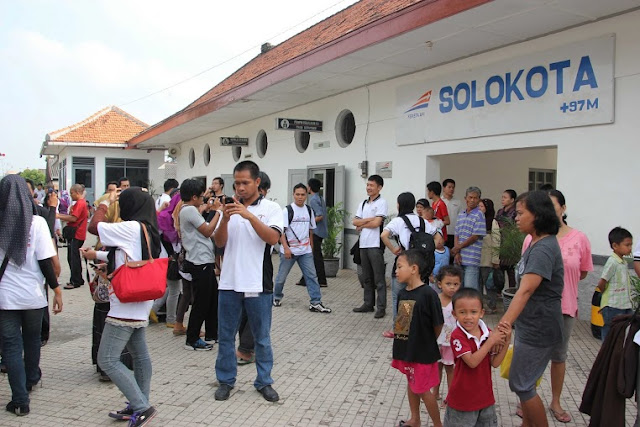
440,211
80,211
471,389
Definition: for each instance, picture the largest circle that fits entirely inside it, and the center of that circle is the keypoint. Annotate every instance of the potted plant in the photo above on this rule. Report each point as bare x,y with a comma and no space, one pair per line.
332,245
510,252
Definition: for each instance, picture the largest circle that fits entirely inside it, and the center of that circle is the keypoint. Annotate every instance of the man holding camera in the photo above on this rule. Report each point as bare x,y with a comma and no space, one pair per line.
249,227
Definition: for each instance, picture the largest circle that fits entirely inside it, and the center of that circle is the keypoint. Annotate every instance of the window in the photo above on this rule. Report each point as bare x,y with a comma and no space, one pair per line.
206,154
302,140
62,175
136,170
192,158
540,177
261,143
345,128
236,152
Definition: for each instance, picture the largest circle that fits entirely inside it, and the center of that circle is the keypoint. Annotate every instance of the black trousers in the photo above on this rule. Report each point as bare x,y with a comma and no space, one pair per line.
75,264
318,261
246,344
205,303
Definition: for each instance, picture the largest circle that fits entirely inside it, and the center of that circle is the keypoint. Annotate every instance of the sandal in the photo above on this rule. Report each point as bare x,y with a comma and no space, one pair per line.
562,417
70,286
242,361
519,412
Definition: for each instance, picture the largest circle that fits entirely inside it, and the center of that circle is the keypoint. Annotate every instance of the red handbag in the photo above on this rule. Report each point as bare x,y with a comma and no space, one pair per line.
137,281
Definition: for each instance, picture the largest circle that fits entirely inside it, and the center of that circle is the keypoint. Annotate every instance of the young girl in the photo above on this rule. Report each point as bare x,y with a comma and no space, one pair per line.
449,280
442,259
418,323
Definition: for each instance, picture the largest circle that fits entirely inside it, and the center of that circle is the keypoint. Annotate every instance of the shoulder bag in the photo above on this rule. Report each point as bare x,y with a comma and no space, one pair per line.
137,281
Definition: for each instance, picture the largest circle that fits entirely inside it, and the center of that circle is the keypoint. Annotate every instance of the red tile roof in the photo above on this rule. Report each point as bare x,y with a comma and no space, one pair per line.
110,125
352,18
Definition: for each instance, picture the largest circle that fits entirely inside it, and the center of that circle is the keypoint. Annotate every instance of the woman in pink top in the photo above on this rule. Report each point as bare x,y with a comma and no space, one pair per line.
576,256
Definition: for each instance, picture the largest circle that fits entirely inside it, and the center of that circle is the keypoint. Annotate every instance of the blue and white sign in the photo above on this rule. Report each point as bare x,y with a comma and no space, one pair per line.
567,86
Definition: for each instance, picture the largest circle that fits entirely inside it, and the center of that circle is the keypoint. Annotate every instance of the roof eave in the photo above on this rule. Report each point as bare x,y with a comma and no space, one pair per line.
400,22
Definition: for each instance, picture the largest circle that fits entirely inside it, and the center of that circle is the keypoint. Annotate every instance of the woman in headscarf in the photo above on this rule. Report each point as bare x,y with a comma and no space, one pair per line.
171,243
28,258
126,322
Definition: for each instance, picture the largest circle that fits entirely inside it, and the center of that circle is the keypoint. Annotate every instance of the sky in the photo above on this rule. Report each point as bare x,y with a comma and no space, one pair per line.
61,61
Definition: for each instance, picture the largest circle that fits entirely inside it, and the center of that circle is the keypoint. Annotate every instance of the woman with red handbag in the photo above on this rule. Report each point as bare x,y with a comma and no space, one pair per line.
134,240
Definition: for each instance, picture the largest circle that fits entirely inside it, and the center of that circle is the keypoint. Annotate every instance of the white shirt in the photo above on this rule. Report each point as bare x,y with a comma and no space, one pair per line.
22,287
453,207
247,258
300,226
397,227
370,237
126,237
164,197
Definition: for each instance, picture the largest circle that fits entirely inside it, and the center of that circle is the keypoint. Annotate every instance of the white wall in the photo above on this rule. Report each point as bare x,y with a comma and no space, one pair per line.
597,166
156,159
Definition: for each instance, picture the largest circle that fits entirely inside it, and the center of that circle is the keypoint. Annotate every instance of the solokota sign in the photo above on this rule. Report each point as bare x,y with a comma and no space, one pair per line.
571,85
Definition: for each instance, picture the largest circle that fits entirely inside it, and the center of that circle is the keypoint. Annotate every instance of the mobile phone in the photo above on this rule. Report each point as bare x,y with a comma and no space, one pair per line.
228,200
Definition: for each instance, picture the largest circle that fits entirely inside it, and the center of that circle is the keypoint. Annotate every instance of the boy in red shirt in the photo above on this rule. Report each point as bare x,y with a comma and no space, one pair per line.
476,349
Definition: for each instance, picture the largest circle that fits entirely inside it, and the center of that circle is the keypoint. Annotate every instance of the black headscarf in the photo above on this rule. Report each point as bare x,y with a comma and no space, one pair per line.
16,214
138,205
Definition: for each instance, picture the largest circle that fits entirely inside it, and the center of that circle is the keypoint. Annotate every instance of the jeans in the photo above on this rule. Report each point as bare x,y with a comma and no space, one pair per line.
134,385
305,262
170,298
318,261
396,287
20,332
374,280
471,276
492,293
185,301
608,313
205,303
258,310
75,264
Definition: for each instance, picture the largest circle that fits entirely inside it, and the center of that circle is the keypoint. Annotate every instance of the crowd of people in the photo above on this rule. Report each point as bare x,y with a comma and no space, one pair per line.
448,271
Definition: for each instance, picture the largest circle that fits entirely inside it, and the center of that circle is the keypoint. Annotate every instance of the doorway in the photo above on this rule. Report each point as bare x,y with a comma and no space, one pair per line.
82,172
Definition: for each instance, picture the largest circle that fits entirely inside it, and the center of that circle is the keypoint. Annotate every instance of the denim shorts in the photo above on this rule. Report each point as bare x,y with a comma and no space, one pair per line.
485,417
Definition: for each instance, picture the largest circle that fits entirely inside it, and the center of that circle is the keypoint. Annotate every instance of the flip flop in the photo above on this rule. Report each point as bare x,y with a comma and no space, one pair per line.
562,417
519,412
242,361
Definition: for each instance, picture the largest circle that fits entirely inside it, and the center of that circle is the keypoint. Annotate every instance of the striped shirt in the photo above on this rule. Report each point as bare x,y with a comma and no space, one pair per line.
471,224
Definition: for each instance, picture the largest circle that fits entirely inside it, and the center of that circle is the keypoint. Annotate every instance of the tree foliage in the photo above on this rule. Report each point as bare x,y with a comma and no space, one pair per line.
33,174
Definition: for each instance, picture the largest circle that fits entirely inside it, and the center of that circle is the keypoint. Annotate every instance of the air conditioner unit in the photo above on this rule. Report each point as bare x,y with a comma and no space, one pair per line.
174,151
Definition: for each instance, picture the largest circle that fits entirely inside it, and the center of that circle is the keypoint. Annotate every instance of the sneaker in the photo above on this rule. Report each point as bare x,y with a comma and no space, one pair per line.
319,308
124,414
198,346
223,392
19,410
143,417
211,341
277,303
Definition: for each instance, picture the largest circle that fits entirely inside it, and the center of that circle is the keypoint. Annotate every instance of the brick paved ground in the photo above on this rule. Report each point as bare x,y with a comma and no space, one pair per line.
330,370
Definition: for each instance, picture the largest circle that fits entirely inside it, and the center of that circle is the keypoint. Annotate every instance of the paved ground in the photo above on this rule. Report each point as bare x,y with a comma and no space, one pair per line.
330,370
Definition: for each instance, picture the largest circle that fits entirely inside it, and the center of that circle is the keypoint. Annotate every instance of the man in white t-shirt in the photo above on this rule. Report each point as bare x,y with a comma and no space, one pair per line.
296,246
368,221
453,208
165,198
248,229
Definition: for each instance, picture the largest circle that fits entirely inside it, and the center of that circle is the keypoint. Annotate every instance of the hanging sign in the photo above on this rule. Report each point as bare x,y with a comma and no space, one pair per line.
233,141
299,124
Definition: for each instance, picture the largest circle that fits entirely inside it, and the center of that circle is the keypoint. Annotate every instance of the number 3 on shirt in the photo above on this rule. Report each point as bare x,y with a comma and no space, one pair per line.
457,344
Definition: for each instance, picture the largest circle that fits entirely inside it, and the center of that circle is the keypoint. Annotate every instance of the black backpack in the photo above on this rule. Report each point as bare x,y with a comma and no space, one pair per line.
419,239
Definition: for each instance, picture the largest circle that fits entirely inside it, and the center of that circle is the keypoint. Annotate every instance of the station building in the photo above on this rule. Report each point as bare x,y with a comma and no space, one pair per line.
496,94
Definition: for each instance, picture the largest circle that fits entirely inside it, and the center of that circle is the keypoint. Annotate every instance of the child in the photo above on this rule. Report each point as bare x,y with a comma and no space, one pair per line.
430,215
470,401
442,259
615,283
449,280
418,323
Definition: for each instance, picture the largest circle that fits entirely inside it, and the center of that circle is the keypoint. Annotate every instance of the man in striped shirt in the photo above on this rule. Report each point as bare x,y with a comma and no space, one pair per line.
470,228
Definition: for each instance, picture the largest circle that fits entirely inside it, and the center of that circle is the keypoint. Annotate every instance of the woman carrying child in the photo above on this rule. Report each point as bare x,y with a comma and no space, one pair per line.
418,324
